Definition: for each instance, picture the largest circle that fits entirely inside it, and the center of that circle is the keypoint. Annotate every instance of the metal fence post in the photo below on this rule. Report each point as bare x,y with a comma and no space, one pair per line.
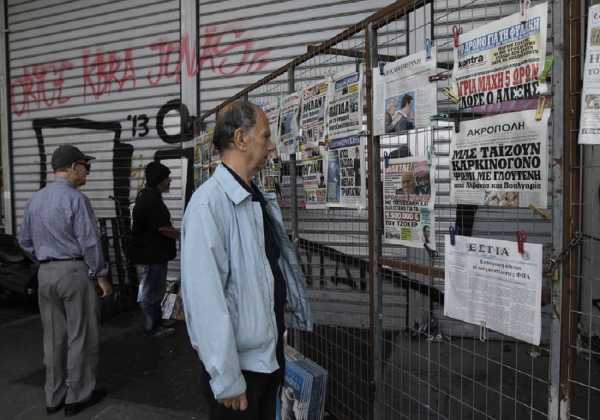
293,186
374,194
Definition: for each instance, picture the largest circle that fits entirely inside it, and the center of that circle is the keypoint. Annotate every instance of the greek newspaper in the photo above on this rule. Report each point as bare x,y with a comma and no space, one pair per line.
589,131
404,96
501,161
288,125
497,66
312,115
488,283
315,185
344,110
409,199
346,172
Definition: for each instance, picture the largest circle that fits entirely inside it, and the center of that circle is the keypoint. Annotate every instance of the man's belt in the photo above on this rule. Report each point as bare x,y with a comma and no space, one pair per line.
61,259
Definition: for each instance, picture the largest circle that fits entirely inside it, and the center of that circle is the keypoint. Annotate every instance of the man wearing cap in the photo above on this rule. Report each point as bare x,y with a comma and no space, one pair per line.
59,230
153,246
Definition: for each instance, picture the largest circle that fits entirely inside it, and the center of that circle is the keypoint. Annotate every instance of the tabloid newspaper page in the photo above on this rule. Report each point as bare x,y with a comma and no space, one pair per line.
488,281
315,183
501,161
346,172
404,96
344,110
409,199
589,127
312,114
288,125
497,66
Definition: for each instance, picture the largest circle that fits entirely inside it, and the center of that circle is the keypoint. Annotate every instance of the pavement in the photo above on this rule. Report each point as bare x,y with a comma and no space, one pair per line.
146,378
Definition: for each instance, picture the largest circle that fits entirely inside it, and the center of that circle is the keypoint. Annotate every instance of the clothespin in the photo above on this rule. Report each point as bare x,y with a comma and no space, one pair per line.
386,159
539,212
457,122
524,9
439,117
438,76
381,66
428,45
483,330
521,238
451,94
543,88
456,31
453,231
539,112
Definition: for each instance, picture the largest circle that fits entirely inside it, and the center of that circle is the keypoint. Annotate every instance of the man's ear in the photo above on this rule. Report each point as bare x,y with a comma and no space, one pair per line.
239,138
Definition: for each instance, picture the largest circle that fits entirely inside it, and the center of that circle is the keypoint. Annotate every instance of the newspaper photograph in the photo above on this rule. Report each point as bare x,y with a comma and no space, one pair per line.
346,172
269,176
312,115
288,125
497,66
501,161
408,203
272,110
315,185
589,127
344,110
404,98
489,283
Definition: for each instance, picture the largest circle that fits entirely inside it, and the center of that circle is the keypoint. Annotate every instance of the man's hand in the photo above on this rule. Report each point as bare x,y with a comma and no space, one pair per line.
236,403
105,286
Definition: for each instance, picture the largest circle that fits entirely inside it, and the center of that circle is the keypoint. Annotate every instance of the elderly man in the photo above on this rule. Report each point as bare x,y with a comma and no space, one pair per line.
239,269
59,230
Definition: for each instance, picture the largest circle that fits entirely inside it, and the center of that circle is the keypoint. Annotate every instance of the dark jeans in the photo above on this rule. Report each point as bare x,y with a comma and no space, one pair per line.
153,280
261,391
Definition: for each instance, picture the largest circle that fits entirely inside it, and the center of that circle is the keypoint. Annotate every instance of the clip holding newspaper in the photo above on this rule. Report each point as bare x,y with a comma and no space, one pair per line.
589,127
501,161
488,281
409,199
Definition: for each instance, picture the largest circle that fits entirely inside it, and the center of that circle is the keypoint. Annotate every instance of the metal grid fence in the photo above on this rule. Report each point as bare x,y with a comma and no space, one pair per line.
380,330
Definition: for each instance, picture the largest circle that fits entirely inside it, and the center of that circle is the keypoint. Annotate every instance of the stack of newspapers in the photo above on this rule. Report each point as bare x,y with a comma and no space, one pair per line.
304,389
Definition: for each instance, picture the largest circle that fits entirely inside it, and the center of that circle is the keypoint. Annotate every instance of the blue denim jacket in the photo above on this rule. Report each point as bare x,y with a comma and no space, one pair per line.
227,283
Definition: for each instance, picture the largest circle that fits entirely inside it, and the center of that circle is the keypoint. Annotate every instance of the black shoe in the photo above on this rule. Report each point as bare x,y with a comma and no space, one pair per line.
75,408
56,408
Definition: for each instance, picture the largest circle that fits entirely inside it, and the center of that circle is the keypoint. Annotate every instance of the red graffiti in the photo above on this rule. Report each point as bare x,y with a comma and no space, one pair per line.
164,49
39,85
105,70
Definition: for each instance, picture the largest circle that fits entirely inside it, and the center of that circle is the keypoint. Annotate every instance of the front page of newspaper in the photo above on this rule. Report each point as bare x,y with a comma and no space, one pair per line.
344,110
404,96
346,172
272,110
501,161
288,125
589,127
488,281
312,114
497,66
315,184
409,199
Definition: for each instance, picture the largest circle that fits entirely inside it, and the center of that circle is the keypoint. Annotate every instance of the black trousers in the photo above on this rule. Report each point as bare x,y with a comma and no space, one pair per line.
261,391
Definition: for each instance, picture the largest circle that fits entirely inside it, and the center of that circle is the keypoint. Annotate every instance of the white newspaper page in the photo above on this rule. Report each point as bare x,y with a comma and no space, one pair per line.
344,109
488,281
346,172
589,127
315,184
501,161
404,96
497,66
312,115
409,199
272,110
288,125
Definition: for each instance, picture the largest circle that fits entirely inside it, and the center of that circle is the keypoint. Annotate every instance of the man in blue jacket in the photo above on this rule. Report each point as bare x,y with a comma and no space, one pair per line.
239,270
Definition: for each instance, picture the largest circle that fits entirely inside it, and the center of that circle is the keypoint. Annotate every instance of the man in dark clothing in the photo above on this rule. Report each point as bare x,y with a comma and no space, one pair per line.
153,245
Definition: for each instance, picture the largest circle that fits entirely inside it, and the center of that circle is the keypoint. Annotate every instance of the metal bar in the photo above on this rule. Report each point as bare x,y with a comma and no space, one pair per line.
375,202
413,267
352,53
377,19
8,208
293,186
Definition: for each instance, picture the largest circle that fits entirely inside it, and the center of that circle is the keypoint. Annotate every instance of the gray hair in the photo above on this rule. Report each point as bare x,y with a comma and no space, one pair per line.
239,114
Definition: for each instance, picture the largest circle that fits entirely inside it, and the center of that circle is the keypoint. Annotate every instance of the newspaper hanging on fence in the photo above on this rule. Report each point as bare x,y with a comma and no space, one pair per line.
344,110
346,172
312,115
488,281
404,98
497,66
409,199
269,176
589,127
272,110
501,161
315,186
288,125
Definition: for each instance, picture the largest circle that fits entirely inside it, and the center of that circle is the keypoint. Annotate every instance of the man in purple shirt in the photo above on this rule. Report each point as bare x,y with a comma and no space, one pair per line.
59,230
